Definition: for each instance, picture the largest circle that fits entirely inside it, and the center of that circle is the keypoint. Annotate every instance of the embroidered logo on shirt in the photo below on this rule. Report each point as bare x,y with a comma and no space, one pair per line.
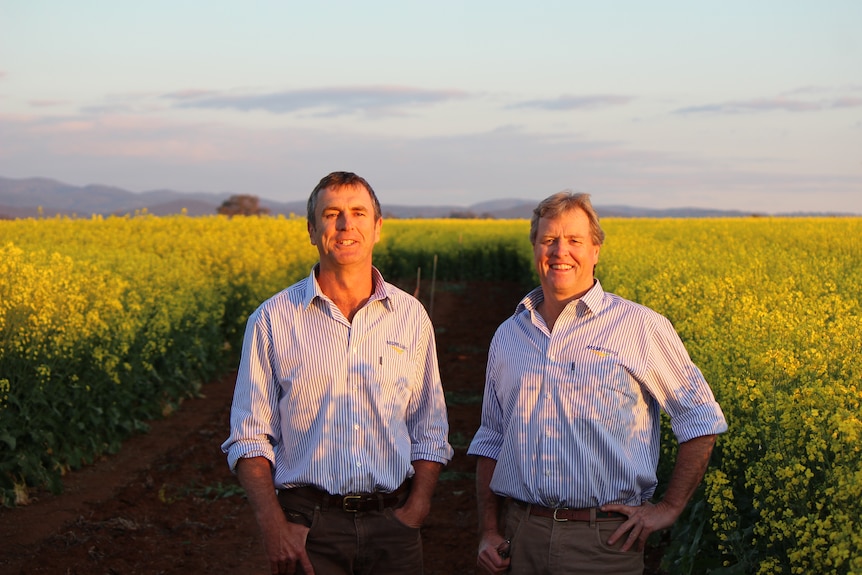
396,346
600,351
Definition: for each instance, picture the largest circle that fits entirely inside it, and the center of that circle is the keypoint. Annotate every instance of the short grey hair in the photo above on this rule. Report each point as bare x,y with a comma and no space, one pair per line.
563,202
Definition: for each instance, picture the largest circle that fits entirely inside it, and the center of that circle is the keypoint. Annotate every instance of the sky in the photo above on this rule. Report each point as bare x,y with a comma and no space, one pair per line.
747,105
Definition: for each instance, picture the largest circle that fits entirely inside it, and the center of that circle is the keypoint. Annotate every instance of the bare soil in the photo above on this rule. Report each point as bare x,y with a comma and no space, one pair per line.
166,503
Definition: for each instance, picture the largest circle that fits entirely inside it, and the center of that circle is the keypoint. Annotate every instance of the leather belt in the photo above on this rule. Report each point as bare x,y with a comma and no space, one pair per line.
350,503
565,514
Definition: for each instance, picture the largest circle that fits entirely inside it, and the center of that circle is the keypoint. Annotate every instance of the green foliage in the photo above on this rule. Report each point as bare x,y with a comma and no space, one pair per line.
465,249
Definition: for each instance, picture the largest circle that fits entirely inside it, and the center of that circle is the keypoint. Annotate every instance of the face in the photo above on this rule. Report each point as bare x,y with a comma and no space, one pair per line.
564,254
345,229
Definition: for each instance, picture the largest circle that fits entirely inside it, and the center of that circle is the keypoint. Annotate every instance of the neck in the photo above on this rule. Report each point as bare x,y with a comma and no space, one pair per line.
551,306
349,291
550,310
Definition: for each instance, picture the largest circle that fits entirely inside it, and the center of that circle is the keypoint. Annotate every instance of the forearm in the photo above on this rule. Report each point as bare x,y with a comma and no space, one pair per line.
284,542
488,502
424,478
255,476
418,504
493,557
691,463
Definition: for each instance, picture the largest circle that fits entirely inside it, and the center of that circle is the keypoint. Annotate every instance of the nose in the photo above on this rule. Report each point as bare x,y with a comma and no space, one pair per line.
344,221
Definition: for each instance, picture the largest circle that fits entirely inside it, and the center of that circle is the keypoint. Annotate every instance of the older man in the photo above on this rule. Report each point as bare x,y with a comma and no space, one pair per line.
569,441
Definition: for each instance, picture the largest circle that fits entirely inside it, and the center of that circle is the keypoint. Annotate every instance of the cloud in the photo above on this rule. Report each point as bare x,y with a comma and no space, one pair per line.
111,137
47,103
780,103
336,101
827,89
151,152
568,102
148,153
847,102
107,109
190,94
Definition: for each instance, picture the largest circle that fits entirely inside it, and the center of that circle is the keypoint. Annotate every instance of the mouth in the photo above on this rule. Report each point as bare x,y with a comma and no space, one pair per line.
346,242
561,267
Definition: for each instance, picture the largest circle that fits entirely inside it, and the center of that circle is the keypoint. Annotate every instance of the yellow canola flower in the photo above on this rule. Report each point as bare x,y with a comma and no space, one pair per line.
770,309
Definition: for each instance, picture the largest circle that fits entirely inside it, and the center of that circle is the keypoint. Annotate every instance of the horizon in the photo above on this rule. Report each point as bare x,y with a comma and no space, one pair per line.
668,105
490,205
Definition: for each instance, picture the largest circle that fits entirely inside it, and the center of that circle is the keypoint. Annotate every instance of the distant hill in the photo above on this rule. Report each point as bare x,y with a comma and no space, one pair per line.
32,197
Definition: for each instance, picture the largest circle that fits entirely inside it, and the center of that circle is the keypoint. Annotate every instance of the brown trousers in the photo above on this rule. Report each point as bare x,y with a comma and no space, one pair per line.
543,546
364,543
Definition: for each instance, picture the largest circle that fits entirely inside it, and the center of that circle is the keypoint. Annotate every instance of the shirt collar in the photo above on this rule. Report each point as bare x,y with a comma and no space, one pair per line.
593,299
381,288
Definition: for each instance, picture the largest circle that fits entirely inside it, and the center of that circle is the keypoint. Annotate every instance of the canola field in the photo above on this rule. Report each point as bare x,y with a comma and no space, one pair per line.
108,323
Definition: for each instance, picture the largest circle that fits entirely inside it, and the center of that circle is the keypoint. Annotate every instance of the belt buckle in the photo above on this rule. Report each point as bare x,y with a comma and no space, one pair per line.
560,519
345,503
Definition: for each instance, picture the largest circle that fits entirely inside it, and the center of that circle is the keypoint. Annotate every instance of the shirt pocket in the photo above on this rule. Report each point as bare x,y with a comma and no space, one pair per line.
600,387
391,370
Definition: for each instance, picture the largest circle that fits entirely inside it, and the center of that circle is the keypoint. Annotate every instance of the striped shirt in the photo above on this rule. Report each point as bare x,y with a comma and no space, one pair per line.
572,416
345,407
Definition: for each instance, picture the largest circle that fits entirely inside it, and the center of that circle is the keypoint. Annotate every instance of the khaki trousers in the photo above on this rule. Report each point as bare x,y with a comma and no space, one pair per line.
343,543
543,546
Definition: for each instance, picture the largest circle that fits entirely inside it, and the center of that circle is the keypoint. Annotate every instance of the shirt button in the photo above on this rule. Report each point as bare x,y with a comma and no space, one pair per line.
356,426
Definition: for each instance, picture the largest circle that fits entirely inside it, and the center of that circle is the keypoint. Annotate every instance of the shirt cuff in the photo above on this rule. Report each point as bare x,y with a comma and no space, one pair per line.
239,451
706,419
486,443
437,454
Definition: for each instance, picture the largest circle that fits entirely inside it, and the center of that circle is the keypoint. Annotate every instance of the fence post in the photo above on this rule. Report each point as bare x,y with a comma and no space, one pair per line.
433,285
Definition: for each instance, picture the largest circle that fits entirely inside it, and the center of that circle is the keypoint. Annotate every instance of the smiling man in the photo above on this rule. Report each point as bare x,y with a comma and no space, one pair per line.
568,445
338,425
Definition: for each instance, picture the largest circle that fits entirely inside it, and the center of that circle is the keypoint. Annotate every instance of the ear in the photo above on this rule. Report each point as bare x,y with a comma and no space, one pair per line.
310,228
377,227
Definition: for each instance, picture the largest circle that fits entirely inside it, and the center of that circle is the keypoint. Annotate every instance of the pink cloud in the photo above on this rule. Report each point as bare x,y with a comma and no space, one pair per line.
846,102
120,136
46,103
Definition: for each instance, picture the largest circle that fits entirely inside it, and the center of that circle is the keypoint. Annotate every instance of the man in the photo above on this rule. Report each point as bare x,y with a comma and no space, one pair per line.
569,441
338,405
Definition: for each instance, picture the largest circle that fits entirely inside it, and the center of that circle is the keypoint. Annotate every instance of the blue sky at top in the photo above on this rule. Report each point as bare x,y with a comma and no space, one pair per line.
746,105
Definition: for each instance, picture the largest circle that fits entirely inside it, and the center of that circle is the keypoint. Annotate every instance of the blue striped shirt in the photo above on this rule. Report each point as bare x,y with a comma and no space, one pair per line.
572,416
342,406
